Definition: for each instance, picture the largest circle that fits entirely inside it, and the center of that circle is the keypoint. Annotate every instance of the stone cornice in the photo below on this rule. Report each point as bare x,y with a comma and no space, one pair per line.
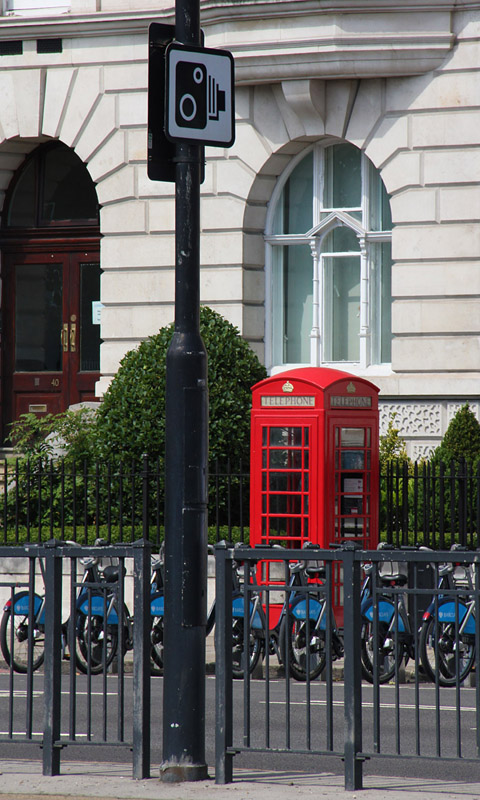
391,38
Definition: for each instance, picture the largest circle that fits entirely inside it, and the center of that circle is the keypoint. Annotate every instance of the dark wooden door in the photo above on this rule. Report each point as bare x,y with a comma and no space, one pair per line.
51,331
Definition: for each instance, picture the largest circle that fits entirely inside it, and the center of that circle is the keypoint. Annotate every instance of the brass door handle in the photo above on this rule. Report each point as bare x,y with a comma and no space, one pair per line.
64,337
73,337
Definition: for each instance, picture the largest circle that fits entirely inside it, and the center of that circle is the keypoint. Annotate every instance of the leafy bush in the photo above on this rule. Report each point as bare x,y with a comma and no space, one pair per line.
131,418
461,440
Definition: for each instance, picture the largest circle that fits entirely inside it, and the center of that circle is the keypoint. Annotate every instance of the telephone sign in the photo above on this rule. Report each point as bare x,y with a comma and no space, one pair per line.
200,96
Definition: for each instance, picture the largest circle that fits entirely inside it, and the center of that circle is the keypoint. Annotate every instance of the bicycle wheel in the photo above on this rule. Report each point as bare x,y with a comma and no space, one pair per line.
95,644
440,646
387,654
156,639
294,650
238,655
20,642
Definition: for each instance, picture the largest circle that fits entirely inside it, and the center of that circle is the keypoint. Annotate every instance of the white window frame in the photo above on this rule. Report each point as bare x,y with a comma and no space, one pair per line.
370,284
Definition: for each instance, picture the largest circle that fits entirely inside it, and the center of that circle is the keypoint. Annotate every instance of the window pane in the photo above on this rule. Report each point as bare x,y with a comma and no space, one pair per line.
21,212
341,240
294,212
342,313
89,330
386,303
298,294
343,177
380,212
381,261
38,317
63,170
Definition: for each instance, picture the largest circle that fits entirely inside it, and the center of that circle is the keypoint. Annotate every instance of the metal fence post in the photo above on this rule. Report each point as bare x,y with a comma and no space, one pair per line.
53,656
223,665
352,670
141,659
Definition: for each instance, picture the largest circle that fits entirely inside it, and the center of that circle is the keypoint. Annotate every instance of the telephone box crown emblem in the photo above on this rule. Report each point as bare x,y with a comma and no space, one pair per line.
287,387
351,388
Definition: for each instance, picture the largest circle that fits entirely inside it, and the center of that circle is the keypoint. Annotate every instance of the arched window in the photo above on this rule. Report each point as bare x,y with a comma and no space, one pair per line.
329,262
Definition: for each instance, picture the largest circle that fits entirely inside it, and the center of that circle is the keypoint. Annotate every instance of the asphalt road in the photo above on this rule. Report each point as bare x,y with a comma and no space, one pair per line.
278,717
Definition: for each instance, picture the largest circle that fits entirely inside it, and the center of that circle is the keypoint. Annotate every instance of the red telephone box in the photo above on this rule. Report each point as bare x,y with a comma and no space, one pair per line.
314,460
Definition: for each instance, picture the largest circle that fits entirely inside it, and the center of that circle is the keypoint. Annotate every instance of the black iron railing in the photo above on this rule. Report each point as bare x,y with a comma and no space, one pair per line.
433,717
431,504
86,624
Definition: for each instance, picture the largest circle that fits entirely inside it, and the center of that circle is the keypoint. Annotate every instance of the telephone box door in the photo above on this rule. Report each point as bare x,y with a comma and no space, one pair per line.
284,503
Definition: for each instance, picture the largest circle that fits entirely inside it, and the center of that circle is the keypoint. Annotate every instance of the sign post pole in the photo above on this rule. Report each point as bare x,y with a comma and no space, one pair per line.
186,459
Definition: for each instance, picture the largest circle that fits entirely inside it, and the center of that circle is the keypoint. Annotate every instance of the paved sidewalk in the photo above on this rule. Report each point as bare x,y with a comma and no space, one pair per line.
20,780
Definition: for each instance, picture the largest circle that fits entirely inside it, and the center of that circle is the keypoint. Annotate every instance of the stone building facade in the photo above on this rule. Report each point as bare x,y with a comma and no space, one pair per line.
342,227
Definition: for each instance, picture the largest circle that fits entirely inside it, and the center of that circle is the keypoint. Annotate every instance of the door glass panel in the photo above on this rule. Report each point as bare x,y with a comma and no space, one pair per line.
89,327
38,317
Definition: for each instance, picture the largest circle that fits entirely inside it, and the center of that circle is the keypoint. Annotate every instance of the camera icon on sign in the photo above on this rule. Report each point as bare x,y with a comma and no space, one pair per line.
198,96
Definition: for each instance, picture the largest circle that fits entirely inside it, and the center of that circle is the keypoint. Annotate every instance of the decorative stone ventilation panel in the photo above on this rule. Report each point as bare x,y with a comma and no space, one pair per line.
412,419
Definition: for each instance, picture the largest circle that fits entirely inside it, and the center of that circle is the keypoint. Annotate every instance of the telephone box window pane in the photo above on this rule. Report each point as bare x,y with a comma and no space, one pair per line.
352,459
285,481
353,437
281,437
289,459
38,316
285,504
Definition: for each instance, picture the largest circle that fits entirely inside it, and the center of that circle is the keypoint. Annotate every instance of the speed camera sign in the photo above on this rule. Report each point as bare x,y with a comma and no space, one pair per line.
199,102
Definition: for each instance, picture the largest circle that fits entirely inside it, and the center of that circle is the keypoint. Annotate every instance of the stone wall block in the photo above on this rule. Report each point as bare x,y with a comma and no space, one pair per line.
137,147
117,187
436,241
143,251
8,107
254,285
414,205
339,96
435,279
137,321
221,285
235,177
109,158
137,284
445,128
221,248
445,90
390,137
452,166
27,87
161,215
250,147
402,171
127,217
436,353
125,77
462,203
80,104
436,315
132,109
57,90
101,125
366,112
221,212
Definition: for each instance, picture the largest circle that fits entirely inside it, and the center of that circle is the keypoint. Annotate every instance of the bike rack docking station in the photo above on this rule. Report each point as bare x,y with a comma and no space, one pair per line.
314,464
